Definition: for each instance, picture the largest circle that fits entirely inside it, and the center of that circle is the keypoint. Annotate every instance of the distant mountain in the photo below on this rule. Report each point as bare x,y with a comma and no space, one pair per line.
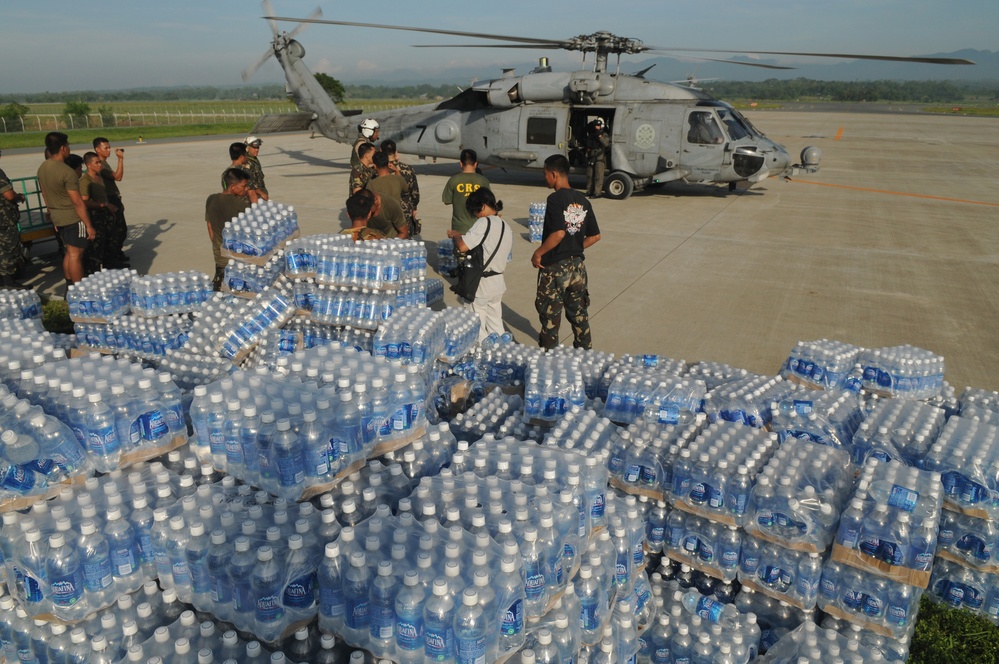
986,69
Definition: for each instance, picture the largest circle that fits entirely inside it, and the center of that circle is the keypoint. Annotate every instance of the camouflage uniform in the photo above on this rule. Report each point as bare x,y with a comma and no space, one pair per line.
256,172
10,237
411,199
359,177
355,161
117,229
99,250
564,284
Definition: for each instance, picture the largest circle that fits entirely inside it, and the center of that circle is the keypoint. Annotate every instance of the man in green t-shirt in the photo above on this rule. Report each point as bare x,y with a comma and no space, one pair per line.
102,212
60,187
220,208
388,218
387,183
459,187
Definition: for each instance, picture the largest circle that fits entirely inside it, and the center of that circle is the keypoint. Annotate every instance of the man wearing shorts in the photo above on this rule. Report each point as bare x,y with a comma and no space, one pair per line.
60,187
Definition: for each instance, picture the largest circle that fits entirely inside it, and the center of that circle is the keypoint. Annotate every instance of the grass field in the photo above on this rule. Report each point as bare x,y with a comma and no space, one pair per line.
125,134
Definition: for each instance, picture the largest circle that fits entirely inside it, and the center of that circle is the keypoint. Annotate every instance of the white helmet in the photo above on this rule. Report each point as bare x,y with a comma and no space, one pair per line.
368,128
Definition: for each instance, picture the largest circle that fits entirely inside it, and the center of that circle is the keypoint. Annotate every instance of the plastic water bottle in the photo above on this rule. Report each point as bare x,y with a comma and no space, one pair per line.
196,554
470,631
382,608
331,598
535,584
356,586
240,580
267,588
125,559
65,577
288,456
438,624
177,552
97,572
102,435
510,591
409,606
219,553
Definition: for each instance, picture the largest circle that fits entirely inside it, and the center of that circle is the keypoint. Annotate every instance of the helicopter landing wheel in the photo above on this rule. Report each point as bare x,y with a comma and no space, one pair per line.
619,186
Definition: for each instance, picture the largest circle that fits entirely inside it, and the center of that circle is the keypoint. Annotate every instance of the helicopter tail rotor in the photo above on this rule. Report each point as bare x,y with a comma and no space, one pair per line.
280,39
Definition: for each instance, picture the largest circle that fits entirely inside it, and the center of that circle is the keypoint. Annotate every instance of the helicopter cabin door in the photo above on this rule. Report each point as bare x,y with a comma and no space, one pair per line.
704,152
543,132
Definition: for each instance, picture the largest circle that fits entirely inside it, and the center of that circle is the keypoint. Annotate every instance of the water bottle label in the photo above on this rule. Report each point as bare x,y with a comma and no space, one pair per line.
872,605
216,441
827,586
769,574
802,406
103,441
269,608
18,479
715,496
698,493
144,541
657,535
705,550
589,615
648,475
331,600
200,581
557,569
152,425
898,615
123,560
669,414
632,473
891,552
181,574
382,622
708,609
67,590
870,545
42,466
661,656
597,507
408,633
471,651
356,615
641,598
973,492
290,471
924,560
233,451
513,619
97,573
175,418
535,584
438,644
903,498
730,558
690,544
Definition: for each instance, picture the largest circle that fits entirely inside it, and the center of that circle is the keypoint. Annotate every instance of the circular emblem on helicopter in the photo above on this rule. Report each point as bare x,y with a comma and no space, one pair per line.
645,136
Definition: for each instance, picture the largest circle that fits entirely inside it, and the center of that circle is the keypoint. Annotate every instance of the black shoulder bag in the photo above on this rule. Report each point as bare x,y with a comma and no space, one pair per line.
472,268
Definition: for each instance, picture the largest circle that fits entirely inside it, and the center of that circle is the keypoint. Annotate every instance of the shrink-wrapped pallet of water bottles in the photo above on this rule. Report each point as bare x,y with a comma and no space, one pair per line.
578,507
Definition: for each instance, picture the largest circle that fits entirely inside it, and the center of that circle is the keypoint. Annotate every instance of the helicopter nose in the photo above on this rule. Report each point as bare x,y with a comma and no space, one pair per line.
778,161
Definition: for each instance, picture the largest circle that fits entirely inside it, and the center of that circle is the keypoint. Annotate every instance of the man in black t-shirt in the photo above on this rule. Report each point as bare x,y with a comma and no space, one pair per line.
570,227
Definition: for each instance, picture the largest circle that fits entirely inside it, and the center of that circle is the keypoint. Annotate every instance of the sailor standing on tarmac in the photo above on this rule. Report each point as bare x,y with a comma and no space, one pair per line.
367,133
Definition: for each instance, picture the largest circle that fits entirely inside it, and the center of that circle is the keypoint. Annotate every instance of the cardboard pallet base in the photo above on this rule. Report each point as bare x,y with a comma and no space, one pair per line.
861,561
770,592
147,453
723,519
18,503
988,568
381,449
855,619
311,492
636,490
976,512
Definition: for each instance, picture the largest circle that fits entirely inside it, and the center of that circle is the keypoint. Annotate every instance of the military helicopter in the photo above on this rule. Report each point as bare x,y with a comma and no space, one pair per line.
660,132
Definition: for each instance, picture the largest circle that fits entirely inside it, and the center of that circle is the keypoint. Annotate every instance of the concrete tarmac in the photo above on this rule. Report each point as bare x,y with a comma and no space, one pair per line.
894,241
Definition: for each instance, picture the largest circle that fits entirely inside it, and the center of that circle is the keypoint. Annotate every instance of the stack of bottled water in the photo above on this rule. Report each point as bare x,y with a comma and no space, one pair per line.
114,407
190,369
20,304
747,400
958,587
503,362
447,262
21,326
461,329
350,306
715,373
810,644
892,649
248,278
592,363
554,385
582,430
897,429
775,618
79,553
101,296
487,415
415,336
892,520
672,401
37,450
435,291
966,455
209,320
873,602
260,229
982,404
713,475
302,254
827,418
648,366
821,364
536,221
269,310
968,540
799,496
135,335
904,372
785,574
643,455
693,627
171,293
703,544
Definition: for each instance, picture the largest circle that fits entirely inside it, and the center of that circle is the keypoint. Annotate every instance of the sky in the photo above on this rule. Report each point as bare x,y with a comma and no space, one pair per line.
58,45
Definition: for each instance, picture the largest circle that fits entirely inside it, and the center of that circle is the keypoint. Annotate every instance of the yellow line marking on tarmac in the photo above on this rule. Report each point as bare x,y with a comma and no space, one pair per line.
897,193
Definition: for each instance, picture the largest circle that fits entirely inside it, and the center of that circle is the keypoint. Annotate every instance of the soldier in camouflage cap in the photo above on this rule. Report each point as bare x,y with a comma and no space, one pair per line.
11,251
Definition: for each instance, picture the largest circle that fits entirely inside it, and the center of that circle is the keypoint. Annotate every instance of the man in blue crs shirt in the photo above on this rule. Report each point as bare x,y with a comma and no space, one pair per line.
570,227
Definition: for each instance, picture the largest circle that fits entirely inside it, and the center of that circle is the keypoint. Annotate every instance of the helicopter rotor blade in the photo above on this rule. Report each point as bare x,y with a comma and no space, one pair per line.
314,14
457,33
547,46
855,56
268,10
760,65
252,69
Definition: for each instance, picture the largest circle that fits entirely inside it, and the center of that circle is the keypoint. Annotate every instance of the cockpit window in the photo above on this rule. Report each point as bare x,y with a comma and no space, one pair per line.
734,124
703,128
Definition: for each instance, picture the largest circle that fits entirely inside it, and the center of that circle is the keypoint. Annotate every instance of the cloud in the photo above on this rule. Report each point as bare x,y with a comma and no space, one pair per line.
367,65
326,66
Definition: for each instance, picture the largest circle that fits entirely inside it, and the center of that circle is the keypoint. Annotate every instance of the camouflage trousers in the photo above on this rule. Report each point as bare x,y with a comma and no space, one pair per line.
98,250
118,233
563,285
10,239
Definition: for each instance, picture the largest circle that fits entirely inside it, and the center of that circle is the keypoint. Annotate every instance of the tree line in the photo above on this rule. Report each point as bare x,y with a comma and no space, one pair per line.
854,91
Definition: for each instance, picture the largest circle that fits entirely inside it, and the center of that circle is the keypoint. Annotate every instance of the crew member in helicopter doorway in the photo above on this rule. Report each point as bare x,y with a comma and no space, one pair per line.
597,145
